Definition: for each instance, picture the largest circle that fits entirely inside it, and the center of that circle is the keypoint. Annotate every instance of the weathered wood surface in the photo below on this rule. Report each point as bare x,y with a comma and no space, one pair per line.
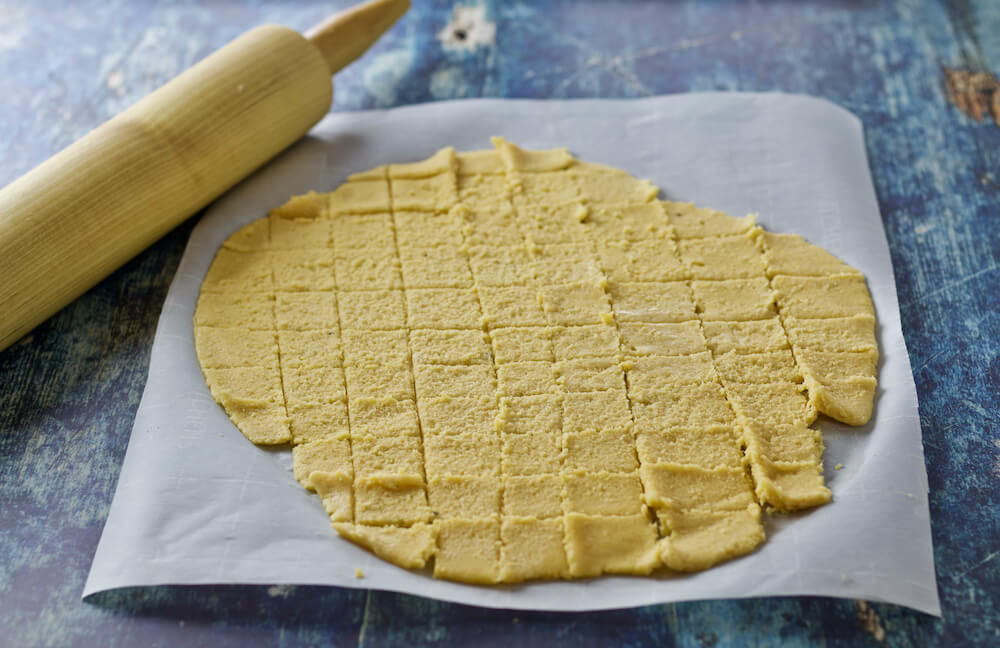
69,391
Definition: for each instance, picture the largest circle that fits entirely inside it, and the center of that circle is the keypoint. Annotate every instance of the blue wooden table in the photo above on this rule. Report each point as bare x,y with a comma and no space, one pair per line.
917,73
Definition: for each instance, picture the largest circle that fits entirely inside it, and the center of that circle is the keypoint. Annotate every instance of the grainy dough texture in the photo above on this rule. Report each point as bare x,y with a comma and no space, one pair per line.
516,365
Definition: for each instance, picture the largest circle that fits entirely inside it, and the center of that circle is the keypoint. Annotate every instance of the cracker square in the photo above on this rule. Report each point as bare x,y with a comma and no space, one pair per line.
443,308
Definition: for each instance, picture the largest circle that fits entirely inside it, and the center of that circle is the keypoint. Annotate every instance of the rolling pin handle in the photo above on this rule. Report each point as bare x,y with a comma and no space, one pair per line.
345,36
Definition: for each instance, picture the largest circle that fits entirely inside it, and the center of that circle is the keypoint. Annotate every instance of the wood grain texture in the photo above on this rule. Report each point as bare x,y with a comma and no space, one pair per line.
68,394
72,220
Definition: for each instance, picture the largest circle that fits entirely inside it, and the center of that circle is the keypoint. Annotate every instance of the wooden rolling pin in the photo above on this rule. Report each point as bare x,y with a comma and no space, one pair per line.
73,220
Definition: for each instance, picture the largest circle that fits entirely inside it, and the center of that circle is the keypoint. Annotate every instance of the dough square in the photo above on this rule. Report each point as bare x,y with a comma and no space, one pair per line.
236,347
790,487
496,226
449,346
711,446
662,339
239,272
734,299
693,222
847,399
587,341
336,491
479,163
313,384
576,304
603,493
614,188
302,270
682,488
554,225
352,233
443,162
310,422
650,377
368,270
655,261
545,188
644,222
598,544
595,451
360,197
599,411
310,349
443,308
416,230
500,265
516,158
254,386
382,380
695,536
372,309
437,381
459,415
705,403
774,404
590,374
482,191
792,444
769,367
754,336
635,222
537,496
511,306
652,302
434,193
531,414
827,367
383,417
531,454
386,455
468,550
614,260
563,264
830,296
440,267
299,233
790,254
254,237
306,311
454,496
253,399
265,424
254,311
462,454
532,548
386,500
366,348
310,205
834,334
526,378
604,223
329,455
522,344
406,546
722,257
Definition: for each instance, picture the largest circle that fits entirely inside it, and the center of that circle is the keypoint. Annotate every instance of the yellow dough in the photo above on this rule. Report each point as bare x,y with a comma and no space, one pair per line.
514,365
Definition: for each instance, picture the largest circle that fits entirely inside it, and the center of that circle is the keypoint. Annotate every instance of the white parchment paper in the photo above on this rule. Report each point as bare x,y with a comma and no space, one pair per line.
198,503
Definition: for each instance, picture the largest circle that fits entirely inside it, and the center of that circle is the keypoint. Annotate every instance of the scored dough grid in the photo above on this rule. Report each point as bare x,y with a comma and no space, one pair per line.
527,367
